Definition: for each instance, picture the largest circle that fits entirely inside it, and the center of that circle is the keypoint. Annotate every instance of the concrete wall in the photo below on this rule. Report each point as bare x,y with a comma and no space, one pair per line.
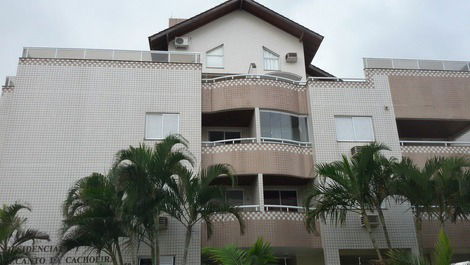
368,98
243,36
67,119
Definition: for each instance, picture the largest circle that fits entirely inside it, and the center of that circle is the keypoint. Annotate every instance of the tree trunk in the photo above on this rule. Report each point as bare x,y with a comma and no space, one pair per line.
189,231
369,231
119,254
418,227
384,227
156,246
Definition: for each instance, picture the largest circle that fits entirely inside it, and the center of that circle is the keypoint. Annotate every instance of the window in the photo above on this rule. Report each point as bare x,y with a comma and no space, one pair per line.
164,260
215,57
234,197
160,125
354,129
284,126
280,197
271,60
222,135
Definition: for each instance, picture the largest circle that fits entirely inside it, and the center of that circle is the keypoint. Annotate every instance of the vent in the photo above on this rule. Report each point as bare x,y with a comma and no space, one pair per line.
291,57
163,223
181,42
373,220
355,150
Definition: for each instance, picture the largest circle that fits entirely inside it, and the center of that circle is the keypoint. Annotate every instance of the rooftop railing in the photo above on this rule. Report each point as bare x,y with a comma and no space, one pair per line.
118,55
269,207
338,79
435,143
385,63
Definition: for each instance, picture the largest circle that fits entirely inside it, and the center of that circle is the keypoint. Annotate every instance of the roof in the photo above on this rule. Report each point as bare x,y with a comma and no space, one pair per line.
315,71
311,40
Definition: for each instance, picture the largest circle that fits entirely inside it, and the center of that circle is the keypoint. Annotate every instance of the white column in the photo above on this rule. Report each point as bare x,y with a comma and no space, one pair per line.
258,125
260,191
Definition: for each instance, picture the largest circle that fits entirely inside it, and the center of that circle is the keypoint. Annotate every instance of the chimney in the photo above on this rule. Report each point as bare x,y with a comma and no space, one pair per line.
174,21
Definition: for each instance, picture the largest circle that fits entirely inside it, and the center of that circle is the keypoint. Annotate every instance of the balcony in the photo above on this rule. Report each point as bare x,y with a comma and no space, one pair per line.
282,226
420,151
458,233
250,91
268,156
115,55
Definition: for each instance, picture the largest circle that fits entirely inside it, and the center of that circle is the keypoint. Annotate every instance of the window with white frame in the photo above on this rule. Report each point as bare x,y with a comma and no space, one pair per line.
271,60
160,125
354,128
215,57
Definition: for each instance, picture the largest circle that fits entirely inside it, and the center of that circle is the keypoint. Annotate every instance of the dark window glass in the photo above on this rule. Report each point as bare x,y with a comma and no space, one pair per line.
216,136
288,197
271,197
232,135
234,197
145,261
283,126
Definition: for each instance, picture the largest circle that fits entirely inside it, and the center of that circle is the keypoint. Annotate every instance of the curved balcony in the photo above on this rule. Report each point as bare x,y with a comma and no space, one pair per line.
250,91
458,233
270,156
283,228
420,151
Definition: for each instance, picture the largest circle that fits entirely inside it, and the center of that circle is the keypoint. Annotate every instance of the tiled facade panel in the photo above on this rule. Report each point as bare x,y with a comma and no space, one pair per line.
370,98
458,233
281,229
419,154
251,93
277,159
430,94
67,119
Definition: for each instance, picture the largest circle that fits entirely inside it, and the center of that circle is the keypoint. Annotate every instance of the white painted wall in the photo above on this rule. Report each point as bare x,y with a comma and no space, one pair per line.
243,36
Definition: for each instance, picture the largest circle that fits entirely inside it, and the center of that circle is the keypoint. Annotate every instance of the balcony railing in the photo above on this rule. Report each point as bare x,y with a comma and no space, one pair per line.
118,55
269,207
248,76
338,79
253,140
435,143
386,63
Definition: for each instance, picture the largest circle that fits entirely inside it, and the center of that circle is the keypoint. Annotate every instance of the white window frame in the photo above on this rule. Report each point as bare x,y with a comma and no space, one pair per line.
163,123
264,60
222,56
354,129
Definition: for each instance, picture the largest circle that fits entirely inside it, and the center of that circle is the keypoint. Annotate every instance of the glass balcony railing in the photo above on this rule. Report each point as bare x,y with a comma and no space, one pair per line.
386,63
118,55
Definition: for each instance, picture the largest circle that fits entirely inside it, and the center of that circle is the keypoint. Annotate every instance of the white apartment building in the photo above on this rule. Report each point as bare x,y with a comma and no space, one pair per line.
238,81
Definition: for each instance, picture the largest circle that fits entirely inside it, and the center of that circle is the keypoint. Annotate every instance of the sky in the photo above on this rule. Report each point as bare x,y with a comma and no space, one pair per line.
353,29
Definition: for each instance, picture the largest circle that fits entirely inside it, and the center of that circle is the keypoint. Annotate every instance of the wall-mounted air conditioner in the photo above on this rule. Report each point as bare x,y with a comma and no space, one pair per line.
291,57
181,42
163,223
373,220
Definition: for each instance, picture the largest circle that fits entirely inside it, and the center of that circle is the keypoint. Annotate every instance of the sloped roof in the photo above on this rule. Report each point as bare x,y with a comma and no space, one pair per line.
310,39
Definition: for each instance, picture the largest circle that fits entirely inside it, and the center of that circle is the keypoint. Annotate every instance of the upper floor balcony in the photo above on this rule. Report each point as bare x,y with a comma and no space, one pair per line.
420,151
114,55
251,91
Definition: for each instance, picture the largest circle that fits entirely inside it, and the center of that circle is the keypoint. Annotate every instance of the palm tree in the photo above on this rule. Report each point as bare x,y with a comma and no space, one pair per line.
13,235
442,254
355,185
143,173
193,198
260,253
92,218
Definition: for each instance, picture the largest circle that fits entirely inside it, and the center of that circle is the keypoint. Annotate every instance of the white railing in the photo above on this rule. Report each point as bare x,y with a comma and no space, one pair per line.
338,79
437,143
284,141
387,63
229,141
248,76
270,207
120,55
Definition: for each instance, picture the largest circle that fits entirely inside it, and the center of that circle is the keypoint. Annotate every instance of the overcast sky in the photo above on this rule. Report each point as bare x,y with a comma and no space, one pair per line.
353,29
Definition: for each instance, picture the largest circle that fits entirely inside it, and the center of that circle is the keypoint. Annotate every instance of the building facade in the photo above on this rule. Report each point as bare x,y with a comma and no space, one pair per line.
237,81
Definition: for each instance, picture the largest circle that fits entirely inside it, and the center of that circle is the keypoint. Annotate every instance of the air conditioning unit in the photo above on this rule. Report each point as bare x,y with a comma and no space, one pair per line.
355,150
181,42
163,223
291,57
373,220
